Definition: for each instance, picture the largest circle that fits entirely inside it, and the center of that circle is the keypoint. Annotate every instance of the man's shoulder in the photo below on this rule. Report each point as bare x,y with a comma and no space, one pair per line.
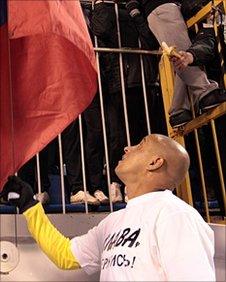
112,216
173,206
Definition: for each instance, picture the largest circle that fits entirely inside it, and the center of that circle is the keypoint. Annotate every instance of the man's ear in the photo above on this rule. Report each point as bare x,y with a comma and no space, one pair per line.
155,163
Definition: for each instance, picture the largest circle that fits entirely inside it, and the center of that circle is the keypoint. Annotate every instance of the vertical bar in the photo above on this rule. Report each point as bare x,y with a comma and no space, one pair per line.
122,77
83,162
6,96
202,175
220,171
15,227
38,172
104,128
103,125
144,92
167,86
219,47
61,174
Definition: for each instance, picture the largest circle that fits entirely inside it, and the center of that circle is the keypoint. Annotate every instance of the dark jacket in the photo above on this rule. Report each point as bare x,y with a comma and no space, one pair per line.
203,47
103,25
149,5
205,52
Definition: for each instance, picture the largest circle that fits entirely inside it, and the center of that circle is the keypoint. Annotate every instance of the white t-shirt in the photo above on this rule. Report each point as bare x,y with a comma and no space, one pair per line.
157,237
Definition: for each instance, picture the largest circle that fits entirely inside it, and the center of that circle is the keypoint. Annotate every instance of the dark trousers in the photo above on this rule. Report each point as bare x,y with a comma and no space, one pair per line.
28,171
137,120
93,147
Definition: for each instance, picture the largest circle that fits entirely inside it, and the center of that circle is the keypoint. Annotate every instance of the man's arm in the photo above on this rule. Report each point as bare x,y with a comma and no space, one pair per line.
50,240
201,52
134,10
203,47
102,20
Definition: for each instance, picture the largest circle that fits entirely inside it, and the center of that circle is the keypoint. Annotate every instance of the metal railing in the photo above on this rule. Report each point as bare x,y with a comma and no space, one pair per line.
185,191
167,84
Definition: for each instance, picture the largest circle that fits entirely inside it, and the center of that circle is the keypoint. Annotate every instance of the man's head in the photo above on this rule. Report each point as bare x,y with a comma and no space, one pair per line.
156,162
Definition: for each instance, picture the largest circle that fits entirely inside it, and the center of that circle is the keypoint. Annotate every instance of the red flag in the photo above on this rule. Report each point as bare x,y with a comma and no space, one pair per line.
53,76
6,132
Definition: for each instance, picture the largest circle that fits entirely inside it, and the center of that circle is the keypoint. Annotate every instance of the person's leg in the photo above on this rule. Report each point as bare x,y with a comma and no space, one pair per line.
167,24
27,173
44,166
136,114
72,156
94,145
156,109
116,131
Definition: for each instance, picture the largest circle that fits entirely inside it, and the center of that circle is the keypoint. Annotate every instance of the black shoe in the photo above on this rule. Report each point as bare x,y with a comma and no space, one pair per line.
212,99
180,119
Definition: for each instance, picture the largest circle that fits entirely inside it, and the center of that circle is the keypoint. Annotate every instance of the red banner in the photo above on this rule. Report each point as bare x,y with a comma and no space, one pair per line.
53,77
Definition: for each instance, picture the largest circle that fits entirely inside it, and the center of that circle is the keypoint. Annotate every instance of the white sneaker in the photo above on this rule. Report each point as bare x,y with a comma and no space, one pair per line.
116,195
80,198
43,198
101,197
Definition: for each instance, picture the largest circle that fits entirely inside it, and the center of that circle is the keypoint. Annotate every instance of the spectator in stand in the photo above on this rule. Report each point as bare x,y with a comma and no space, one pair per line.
93,147
200,53
166,22
28,172
104,26
204,52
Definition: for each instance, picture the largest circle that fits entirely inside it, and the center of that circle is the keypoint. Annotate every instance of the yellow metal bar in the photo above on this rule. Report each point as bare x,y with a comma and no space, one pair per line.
167,85
203,119
202,176
219,48
184,190
221,176
203,13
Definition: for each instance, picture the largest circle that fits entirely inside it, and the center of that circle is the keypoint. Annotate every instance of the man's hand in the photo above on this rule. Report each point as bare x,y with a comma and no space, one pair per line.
185,59
18,193
133,7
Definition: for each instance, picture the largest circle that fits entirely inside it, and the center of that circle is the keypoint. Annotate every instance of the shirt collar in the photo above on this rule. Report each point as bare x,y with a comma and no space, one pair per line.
147,197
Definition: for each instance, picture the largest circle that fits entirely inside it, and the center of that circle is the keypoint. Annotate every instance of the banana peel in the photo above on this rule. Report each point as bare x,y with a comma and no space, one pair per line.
170,51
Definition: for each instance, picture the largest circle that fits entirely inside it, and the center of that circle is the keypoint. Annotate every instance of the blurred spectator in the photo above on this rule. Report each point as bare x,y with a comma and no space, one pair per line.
203,51
28,173
166,22
93,154
93,151
104,26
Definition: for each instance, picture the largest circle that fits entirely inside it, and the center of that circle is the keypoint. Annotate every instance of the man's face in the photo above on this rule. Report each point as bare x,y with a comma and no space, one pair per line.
135,160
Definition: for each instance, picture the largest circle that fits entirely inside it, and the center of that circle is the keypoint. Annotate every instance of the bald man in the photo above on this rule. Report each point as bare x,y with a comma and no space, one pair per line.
157,237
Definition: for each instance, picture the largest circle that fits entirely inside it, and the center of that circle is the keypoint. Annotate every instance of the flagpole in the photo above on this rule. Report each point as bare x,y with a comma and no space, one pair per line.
10,92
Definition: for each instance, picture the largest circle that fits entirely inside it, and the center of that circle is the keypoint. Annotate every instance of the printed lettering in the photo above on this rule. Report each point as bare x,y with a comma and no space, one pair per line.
113,260
109,241
127,262
113,241
132,238
133,262
122,237
118,260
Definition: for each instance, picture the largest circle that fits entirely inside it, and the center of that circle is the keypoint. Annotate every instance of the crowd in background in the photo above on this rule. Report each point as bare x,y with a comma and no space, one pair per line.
126,79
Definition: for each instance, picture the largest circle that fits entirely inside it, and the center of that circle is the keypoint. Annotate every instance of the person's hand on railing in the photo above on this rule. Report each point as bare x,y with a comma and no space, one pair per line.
18,193
133,8
185,59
